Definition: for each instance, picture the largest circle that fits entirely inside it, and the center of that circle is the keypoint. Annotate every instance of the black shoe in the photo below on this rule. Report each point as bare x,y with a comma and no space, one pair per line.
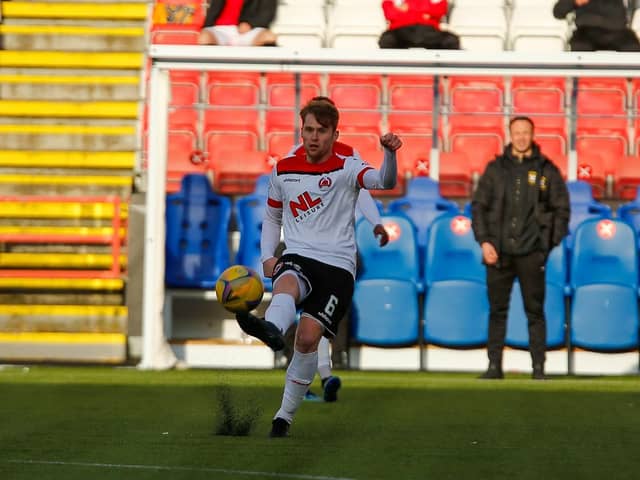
538,372
279,428
331,385
262,330
494,372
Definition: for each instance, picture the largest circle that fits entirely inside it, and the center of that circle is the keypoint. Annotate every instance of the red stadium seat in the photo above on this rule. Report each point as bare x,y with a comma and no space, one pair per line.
358,97
239,140
454,175
280,142
592,169
234,99
627,178
362,139
410,102
173,34
601,102
235,171
480,148
281,97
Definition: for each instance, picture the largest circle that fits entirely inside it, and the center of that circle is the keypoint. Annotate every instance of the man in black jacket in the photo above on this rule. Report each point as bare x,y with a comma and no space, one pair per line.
600,25
239,22
520,211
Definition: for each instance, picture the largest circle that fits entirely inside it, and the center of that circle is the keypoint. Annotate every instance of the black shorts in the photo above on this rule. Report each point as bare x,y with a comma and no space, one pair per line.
330,289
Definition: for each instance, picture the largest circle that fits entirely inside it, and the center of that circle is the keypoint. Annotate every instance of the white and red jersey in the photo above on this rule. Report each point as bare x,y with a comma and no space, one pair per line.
318,203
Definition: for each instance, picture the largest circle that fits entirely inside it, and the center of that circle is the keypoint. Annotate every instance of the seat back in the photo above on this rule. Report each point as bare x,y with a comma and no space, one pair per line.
604,279
604,252
197,224
398,259
452,252
250,212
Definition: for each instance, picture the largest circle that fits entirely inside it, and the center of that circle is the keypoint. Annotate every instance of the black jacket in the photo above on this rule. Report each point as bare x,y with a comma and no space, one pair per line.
549,195
606,14
257,13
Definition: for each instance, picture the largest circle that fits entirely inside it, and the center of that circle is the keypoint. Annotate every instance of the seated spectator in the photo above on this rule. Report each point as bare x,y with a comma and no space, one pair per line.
600,25
416,24
241,23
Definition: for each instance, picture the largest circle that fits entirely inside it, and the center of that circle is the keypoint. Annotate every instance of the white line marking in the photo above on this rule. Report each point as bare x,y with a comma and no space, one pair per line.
178,468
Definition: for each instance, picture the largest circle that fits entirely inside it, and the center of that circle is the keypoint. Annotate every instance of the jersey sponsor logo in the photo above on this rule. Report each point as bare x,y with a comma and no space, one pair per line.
295,180
305,206
324,183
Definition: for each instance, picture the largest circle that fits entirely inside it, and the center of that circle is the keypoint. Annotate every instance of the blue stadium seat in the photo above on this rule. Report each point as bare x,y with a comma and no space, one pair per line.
583,207
456,308
557,291
423,204
197,225
604,279
250,212
630,213
385,309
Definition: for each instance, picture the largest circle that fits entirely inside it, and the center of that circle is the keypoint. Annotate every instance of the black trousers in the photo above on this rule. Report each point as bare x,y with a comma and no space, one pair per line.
589,39
419,36
529,269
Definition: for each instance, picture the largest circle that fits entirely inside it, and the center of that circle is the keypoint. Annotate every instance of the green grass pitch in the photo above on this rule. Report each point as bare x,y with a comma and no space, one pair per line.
119,423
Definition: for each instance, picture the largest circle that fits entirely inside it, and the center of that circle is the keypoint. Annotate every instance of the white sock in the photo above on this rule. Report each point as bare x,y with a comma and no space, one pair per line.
281,311
324,358
300,374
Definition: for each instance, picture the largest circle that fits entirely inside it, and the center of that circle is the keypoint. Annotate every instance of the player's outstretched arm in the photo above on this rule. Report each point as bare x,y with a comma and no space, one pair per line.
387,176
270,238
367,205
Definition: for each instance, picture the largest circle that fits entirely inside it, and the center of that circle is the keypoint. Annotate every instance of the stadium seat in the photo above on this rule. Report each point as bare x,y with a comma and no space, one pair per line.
556,276
280,142
534,29
455,174
173,34
481,29
364,140
283,110
604,279
627,178
249,212
630,213
456,309
182,156
410,102
358,97
233,100
235,172
354,26
595,168
300,25
422,203
385,309
583,207
197,224
601,106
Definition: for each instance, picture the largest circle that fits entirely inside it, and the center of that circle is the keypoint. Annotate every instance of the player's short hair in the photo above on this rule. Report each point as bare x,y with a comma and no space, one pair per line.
322,98
522,118
324,110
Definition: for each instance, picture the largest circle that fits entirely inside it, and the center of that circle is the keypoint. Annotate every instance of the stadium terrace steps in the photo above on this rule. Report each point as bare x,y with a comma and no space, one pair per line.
57,59
74,88
110,348
63,318
67,159
75,10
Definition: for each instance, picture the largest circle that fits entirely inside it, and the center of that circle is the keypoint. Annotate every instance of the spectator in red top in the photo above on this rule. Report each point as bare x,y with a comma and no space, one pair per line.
416,24
242,23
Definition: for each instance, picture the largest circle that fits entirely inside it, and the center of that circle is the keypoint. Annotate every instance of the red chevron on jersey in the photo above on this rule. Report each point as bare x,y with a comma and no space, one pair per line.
299,164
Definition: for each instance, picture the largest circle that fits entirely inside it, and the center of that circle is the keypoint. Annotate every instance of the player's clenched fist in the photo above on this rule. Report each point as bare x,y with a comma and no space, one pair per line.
390,141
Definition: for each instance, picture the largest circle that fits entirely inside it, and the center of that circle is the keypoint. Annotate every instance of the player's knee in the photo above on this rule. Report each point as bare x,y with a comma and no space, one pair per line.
306,341
207,38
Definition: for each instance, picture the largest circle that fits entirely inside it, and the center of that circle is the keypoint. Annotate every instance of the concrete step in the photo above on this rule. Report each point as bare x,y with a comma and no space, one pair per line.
65,60
45,184
63,318
66,10
61,298
69,87
73,38
27,134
